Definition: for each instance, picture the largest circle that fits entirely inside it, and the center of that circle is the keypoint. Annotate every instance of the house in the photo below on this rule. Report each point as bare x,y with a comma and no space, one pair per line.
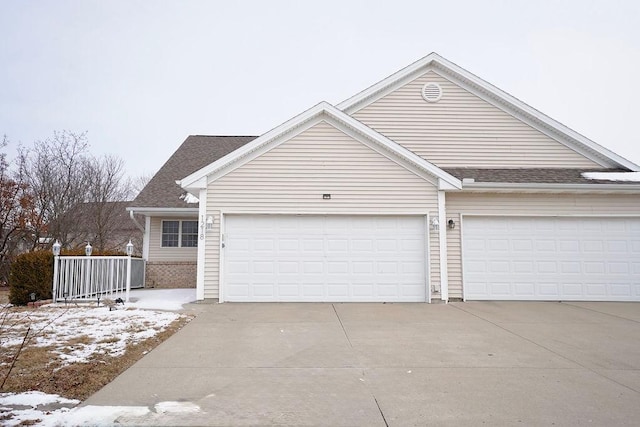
171,226
431,185
104,224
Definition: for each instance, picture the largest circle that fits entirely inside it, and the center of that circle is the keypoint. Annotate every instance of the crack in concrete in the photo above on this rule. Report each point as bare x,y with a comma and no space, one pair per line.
363,371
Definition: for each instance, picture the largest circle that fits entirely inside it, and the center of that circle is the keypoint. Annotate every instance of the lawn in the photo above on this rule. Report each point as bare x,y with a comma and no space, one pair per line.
53,357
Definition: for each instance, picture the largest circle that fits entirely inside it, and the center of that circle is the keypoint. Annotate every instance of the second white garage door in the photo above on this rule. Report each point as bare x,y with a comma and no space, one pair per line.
324,258
551,258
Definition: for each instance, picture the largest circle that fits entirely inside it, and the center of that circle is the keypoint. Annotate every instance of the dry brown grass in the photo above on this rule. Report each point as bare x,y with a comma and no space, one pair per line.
38,368
4,295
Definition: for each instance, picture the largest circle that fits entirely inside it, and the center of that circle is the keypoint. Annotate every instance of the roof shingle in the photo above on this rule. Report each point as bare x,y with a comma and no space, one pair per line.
532,175
196,152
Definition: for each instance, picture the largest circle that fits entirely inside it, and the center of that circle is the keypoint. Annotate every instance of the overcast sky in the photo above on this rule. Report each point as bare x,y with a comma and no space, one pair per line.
140,76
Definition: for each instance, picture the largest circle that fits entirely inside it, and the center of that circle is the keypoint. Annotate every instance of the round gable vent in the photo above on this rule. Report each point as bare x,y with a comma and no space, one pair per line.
432,92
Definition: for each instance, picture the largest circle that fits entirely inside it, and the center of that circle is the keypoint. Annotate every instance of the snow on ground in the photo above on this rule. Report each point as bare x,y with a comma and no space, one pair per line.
161,299
613,176
51,410
90,330
78,332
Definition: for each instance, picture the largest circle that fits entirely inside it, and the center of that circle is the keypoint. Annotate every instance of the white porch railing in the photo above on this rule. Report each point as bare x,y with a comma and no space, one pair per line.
92,277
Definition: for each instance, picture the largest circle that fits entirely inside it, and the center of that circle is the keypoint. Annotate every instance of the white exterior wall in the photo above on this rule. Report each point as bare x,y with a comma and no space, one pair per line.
526,205
463,130
292,178
158,253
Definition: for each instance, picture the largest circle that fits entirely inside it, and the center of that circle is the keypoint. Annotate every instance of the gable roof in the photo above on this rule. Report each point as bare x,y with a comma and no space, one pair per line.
195,152
328,113
496,97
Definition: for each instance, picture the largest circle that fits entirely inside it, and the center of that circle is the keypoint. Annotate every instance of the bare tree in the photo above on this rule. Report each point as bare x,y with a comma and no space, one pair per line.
78,197
107,186
137,183
56,170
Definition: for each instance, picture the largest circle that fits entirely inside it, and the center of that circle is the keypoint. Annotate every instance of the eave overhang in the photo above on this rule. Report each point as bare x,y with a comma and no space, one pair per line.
164,212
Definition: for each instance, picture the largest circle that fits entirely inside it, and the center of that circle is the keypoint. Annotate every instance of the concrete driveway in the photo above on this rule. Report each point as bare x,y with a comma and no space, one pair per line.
492,363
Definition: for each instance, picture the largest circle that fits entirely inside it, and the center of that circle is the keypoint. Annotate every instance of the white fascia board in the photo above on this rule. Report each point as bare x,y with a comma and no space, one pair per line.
496,97
445,185
550,188
252,146
534,118
195,186
321,112
383,151
390,83
398,152
153,211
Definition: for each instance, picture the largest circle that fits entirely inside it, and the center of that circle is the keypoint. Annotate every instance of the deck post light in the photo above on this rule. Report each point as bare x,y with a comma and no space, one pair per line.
128,284
56,259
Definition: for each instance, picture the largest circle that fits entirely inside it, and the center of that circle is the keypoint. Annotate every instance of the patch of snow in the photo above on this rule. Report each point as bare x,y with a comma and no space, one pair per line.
34,398
176,407
35,402
93,416
162,299
68,414
613,176
189,198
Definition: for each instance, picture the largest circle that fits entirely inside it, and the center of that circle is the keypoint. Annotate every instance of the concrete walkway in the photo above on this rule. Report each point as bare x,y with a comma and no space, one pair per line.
493,363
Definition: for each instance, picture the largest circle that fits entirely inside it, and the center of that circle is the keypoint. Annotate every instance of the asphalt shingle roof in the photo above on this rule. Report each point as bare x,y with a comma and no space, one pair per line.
196,152
534,175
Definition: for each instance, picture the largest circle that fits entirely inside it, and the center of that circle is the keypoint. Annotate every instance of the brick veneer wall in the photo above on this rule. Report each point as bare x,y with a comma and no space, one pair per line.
171,274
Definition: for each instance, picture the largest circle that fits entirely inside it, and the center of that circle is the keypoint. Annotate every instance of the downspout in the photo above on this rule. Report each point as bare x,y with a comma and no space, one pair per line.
135,221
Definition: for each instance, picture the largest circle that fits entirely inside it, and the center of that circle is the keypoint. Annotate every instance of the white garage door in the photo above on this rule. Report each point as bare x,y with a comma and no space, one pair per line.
547,258
324,258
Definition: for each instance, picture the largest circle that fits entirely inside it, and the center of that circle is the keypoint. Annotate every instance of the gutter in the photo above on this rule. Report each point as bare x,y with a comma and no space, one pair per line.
471,185
149,210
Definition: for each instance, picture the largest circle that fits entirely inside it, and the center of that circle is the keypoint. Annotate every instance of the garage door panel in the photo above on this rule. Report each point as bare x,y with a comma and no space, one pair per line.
549,290
524,289
262,290
569,246
324,258
572,258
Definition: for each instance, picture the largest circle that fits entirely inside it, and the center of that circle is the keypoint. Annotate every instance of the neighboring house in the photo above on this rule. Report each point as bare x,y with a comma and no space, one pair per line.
106,226
171,215
429,185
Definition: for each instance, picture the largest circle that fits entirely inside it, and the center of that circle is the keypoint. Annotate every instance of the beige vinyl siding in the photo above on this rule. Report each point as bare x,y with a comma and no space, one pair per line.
212,254
158,253
454,254
463,130
292,178
525,204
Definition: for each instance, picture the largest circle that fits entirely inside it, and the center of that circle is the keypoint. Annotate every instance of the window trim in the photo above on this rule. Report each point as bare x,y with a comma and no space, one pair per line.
180,222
